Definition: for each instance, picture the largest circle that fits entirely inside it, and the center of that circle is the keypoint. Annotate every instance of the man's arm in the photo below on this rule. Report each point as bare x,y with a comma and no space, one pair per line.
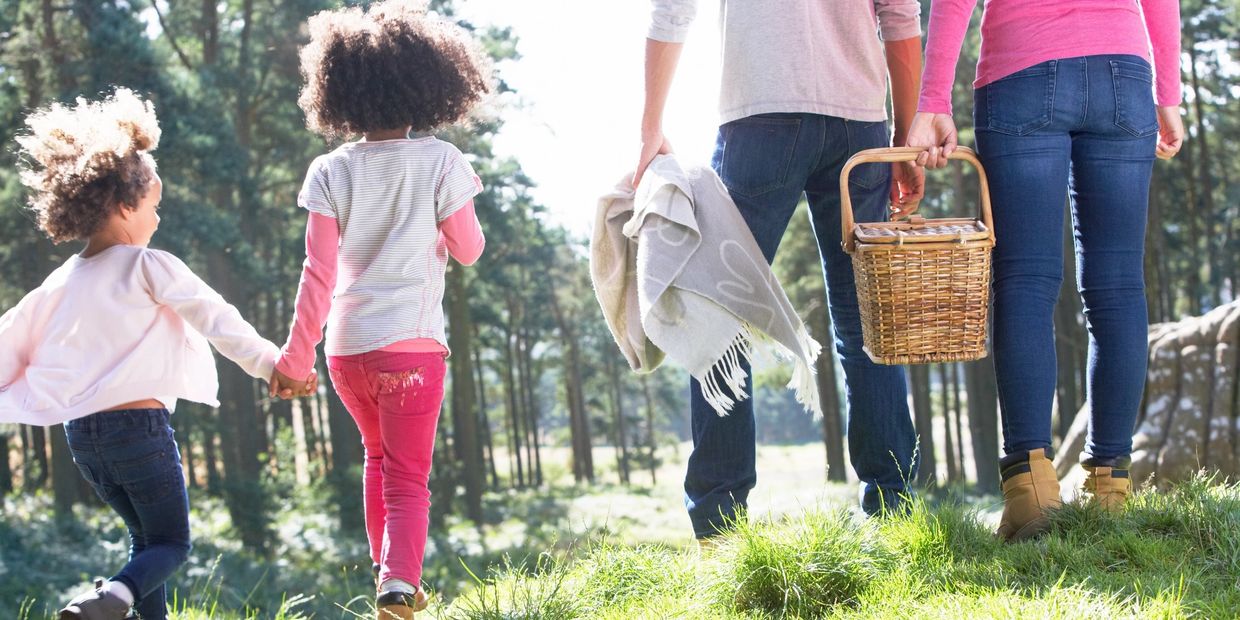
904,67
661,60
669,25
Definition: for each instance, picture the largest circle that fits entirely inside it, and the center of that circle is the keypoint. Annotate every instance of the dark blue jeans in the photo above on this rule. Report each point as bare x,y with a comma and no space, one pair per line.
131,460
1084,129
768,162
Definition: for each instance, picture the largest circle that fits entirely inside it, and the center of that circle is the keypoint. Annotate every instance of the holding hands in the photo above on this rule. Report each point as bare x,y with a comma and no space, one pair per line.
285,387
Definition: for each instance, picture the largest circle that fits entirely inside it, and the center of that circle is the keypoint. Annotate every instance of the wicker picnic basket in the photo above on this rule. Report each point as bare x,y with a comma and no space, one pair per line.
923,286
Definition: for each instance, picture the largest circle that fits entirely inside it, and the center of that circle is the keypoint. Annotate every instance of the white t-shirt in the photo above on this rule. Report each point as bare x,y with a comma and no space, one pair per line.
809,56
388,198
126,324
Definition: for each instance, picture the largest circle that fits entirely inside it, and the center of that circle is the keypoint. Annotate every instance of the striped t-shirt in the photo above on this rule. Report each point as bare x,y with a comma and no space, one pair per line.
388,198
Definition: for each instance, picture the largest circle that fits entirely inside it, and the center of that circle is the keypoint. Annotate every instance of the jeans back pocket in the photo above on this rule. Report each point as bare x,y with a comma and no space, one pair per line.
757,152
1020,103
1134,97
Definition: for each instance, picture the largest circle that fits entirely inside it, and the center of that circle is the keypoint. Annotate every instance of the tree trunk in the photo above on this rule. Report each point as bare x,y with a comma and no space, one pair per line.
346,455
484,422
923,418
579,424
65,475
515,444
209,424
6,470
949,444
464,416
38,446
957,413
652,442
828,395
1207,214
617,404
984,423
244,494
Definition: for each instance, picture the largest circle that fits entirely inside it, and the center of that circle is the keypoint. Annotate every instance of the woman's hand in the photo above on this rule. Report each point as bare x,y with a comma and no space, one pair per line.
1170,131
937,134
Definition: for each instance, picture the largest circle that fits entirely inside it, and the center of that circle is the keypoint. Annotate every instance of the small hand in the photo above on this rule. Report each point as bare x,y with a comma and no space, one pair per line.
1170,132
908,186
285,387
937,134
653,143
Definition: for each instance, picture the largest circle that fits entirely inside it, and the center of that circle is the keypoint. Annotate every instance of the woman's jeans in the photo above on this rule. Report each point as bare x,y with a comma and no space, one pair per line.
131,460
768,162
395,399
1082,129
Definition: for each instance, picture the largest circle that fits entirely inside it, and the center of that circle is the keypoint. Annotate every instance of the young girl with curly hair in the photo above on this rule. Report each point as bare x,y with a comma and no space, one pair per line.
115,335
385,213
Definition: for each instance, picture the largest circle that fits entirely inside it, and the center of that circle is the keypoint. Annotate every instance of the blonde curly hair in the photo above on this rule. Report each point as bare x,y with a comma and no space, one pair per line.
86,162
387,67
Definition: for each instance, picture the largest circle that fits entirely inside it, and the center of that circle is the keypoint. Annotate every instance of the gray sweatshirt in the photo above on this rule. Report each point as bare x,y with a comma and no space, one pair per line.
816,56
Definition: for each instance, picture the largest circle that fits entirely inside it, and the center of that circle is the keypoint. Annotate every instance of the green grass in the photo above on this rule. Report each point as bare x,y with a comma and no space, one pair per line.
1169,555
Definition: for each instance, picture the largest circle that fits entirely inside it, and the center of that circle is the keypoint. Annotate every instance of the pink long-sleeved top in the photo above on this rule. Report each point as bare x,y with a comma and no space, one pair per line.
1019,33
462,234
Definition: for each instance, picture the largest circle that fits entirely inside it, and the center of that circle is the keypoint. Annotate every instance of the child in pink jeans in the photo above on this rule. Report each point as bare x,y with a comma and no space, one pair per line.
385,214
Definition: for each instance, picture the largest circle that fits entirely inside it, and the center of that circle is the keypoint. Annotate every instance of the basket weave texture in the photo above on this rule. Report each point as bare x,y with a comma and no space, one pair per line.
923,286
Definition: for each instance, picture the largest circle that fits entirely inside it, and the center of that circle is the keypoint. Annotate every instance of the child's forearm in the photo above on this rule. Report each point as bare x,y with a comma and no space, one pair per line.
173,284
463,235
314,296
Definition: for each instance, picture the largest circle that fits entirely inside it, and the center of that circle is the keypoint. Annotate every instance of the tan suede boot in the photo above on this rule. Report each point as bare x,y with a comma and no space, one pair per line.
1108,483
1030,488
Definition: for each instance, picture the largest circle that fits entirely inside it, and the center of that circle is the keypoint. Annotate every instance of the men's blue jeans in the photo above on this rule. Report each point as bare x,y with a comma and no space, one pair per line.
1082,129
131,460
768,162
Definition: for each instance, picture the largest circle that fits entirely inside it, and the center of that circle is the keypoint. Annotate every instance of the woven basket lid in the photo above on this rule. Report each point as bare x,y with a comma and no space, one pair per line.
921,230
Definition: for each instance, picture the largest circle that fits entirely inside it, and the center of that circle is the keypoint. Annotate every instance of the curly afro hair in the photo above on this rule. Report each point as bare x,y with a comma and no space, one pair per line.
388,67
85,162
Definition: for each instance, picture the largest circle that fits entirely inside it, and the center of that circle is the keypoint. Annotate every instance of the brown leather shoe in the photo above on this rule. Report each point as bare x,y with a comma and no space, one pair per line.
1030,489
95,605
1108,483
396,605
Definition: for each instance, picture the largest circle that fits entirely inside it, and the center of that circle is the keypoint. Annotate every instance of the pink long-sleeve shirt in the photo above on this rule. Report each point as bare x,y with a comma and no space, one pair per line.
462,234
1017,34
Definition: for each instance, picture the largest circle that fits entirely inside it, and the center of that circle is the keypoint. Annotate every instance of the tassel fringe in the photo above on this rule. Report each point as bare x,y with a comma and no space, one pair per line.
728,373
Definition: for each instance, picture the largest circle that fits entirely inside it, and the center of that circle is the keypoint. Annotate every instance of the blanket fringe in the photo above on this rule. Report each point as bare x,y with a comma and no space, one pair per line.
728,373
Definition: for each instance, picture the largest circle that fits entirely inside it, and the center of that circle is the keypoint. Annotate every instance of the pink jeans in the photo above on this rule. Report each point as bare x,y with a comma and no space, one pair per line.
395,400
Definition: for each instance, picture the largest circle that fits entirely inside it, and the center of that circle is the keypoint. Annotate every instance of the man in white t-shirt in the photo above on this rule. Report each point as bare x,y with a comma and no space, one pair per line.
804,86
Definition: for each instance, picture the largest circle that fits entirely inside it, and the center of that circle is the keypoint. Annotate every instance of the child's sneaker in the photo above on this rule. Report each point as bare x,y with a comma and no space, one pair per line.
397,605
97,604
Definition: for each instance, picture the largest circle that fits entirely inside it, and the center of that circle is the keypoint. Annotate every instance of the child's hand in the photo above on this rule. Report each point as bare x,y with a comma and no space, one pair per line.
285,387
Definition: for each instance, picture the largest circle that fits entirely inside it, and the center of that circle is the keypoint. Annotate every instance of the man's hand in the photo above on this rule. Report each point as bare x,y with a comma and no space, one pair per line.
1170,131
653,143
937,134
908,186
285,387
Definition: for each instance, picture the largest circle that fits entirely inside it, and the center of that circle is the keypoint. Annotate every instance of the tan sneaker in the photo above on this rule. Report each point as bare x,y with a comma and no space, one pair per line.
95,605
396,605
1030,489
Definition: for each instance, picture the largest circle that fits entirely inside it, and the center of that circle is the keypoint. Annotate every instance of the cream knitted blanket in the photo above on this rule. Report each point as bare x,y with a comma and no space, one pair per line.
678,273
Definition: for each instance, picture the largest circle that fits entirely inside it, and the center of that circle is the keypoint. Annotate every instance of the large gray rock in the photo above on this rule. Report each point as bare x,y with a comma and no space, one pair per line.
1190,416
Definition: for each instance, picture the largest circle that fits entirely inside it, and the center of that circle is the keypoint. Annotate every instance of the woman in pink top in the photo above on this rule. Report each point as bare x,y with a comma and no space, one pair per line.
1066,106
385,213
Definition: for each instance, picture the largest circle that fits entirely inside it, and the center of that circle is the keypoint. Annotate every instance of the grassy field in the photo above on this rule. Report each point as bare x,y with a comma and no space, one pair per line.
608,551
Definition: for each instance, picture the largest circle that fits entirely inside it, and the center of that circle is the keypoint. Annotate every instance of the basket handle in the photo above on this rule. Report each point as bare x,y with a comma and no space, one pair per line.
899,154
